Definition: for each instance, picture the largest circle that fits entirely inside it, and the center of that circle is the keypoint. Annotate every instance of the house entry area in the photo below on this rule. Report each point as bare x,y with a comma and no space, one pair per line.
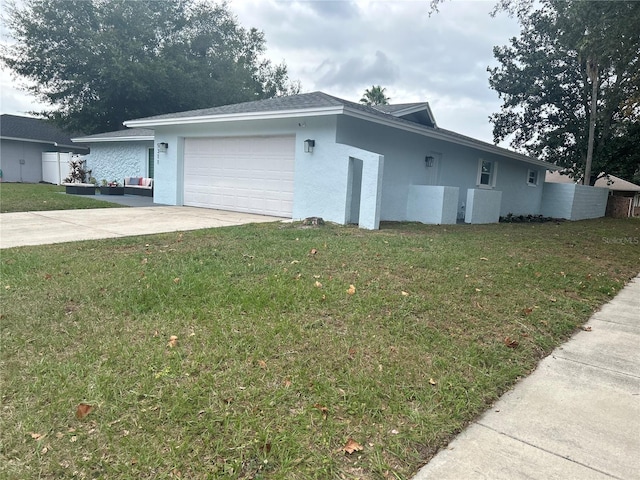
240,174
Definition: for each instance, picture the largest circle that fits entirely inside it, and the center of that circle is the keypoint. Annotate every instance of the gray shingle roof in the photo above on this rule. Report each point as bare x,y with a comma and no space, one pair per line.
319,100
399,106
290,102
127,133
33,129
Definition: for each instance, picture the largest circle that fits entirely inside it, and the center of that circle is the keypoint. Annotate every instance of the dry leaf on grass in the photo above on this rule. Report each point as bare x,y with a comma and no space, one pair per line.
318,284
527,311
37,436
432,382
173,341
404,294
511,343
313,251
351,290
352,446
82,410
262,364
324,410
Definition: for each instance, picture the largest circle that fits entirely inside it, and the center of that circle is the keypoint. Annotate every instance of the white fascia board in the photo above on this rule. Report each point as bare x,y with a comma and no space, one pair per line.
415,109
408,110
45,142
268,115
439,135
112,139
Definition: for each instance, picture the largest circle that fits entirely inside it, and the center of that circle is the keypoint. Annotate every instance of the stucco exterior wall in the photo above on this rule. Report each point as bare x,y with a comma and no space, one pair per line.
112,161
433,204
340,179
483,206
322,185
573,202
12,152
454,166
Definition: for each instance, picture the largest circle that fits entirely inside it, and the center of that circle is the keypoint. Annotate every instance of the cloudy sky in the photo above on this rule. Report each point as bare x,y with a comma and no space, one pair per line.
342,47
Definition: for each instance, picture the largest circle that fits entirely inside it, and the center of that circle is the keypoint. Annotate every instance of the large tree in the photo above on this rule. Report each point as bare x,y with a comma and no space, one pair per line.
572,56
98,63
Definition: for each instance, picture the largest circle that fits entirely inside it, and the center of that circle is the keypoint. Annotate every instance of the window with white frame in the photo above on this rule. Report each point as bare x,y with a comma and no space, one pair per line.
532,178
487,170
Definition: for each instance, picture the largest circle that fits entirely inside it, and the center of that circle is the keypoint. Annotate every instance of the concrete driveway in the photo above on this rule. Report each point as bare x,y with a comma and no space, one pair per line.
59,226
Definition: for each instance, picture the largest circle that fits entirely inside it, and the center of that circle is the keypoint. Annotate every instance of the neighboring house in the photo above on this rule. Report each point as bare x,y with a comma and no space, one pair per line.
317,155
23,141
624,197
124,153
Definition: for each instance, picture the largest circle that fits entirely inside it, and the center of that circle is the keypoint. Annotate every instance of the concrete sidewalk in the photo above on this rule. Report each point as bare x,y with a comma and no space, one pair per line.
576,417
58,226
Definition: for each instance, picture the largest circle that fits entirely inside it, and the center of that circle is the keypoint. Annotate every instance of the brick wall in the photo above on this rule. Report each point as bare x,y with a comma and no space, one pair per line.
618,206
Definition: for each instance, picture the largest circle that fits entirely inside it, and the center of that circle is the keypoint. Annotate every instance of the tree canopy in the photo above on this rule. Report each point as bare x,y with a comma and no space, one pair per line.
567,51
374,96
99,63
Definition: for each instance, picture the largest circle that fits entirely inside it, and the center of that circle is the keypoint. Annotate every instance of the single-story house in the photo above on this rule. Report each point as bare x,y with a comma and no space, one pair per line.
624,196
25,141
318,155
120,154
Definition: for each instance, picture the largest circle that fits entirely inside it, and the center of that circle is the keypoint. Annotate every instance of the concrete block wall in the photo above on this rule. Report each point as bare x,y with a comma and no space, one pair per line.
573,202
589,202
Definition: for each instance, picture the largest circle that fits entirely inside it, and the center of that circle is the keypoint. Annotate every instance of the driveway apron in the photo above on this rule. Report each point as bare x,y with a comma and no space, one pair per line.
59,226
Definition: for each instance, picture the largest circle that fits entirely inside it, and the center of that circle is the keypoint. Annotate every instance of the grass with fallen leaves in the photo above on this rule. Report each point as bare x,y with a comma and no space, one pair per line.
280,352
32,197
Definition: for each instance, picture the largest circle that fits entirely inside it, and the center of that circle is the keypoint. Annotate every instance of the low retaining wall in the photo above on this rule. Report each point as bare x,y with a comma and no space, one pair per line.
432,204
483,206
573,202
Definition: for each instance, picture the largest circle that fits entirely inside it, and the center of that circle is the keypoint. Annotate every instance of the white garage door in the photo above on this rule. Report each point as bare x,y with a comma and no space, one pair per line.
241,174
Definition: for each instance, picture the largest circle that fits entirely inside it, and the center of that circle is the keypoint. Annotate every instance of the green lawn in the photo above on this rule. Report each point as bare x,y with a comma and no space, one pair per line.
29,197
276,365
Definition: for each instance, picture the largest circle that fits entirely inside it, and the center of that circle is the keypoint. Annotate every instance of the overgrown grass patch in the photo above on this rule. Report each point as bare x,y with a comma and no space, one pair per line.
276,365
30,197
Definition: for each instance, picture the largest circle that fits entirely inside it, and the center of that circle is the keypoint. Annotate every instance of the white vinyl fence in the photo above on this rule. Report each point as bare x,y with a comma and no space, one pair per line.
55,166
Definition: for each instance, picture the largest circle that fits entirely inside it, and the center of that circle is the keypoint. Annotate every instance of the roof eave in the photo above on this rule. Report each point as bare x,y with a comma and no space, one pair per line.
449,138
217,118
46,142
112,139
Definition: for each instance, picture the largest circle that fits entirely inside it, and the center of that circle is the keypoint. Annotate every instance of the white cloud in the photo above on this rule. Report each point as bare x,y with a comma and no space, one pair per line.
343,47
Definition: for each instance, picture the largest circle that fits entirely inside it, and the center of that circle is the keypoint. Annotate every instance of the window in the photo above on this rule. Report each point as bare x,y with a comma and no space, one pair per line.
532,178
487,173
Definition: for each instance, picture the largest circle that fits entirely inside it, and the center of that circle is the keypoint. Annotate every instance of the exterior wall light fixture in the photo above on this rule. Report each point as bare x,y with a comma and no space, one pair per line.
162,147
428,161
308,145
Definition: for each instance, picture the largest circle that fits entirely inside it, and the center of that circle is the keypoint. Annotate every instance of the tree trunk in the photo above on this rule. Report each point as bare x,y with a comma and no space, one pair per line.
592,69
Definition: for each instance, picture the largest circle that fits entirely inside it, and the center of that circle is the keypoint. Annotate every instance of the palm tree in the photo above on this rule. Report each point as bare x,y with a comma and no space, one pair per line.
375,96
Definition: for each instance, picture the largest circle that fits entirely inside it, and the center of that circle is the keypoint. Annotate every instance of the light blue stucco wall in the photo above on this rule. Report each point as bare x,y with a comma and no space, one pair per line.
433,204
349,150
112,161
482,206
455,166
321,178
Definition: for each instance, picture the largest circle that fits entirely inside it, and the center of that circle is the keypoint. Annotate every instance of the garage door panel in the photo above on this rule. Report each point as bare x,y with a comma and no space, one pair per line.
248,174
